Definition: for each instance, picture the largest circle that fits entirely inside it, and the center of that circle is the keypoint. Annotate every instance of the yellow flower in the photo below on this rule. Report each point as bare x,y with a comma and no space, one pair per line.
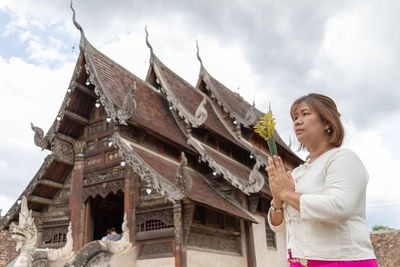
266,126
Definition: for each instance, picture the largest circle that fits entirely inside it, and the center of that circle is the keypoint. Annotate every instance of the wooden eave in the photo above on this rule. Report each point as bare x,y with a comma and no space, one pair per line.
196,186
225,96
42,188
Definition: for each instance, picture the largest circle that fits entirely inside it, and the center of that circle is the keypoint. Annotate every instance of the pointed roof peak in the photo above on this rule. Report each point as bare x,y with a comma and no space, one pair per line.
77,25
198,54
147,41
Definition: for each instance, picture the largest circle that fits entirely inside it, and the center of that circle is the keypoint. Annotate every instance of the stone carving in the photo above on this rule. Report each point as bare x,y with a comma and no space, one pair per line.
128,106
123,245
63,151
99,253
25,235
64,253
256,180
140,167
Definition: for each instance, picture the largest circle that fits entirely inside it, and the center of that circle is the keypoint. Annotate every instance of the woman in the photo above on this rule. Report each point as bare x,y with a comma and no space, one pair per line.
321,203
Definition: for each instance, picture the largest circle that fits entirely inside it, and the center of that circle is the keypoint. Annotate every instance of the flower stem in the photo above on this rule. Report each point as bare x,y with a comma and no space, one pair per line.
272,146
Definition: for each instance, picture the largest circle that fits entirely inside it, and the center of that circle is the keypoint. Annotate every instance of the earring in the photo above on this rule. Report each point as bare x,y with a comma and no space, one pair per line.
329,130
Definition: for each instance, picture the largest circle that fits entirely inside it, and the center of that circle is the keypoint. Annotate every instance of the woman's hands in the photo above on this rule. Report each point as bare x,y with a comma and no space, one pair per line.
280,181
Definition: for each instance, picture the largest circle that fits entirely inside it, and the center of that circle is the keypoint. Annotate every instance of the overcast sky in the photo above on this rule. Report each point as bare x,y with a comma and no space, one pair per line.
267,51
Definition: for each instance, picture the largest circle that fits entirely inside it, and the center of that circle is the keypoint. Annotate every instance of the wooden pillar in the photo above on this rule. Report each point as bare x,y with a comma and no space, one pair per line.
131,198
75,202
89,223
180,259
251,254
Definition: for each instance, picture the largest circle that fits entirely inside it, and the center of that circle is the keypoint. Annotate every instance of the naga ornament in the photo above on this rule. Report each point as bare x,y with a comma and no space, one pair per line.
25,234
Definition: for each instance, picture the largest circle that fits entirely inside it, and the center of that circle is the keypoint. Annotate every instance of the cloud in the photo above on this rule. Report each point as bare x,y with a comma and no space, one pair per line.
5,203
29,93
382,193
274,51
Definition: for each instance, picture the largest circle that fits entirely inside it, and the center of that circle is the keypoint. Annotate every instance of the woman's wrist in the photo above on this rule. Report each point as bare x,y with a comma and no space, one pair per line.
277,204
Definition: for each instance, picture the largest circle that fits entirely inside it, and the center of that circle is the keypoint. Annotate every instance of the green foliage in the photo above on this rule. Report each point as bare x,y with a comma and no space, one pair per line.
381,227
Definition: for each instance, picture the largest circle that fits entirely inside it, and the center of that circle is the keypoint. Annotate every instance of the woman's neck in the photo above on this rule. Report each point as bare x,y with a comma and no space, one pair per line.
317,151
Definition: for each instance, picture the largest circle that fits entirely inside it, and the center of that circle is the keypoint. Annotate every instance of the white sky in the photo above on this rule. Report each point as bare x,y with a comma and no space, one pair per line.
274,51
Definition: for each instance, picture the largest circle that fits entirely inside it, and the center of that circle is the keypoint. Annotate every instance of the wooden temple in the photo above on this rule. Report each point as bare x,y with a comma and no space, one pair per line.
182,161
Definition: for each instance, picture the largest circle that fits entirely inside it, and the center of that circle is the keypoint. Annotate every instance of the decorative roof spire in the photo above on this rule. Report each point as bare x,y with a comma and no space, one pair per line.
147,40
74,20
198,53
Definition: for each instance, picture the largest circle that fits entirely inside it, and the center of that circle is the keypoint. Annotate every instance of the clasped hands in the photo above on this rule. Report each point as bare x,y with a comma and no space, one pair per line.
280,180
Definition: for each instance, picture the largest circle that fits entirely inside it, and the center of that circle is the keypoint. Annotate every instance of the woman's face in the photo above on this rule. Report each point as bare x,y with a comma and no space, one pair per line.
308,127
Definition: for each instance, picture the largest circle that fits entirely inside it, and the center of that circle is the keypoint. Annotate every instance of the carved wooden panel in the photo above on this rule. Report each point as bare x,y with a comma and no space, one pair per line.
97,127
112,156
166,216
157,248
214,241
103,142
104,176
102,189
93,161
54,234
91,146
63,151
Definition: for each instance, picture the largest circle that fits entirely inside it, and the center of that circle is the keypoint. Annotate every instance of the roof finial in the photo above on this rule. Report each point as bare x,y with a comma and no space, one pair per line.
198,53
147,40
74,20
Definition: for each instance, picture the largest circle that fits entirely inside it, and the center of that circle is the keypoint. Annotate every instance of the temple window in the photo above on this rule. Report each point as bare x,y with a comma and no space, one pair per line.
271,240
57,238
151,225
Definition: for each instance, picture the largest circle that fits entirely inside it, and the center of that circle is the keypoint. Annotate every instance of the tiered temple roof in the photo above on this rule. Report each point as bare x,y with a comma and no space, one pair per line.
208,123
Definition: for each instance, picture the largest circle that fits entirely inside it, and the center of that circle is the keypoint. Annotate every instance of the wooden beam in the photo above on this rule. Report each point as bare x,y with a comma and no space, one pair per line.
51,184
40,200
75,117
85,90
65,138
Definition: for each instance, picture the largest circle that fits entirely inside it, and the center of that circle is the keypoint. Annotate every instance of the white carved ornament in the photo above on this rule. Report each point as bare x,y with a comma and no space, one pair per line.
64,253
25,235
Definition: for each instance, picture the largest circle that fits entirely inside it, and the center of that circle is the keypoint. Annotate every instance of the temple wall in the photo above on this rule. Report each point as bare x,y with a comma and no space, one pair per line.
160,262
126,259
197,258
268,257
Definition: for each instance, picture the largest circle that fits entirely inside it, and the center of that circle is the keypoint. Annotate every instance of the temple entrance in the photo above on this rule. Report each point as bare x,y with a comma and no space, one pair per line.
104,213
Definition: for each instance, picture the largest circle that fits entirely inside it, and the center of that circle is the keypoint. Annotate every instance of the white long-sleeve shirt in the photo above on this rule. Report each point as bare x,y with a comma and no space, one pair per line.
331,222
